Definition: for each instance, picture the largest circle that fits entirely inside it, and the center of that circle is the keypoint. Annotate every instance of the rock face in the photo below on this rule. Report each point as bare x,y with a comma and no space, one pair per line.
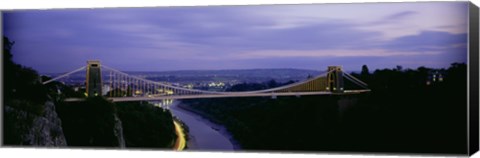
45,130
345,103
118,132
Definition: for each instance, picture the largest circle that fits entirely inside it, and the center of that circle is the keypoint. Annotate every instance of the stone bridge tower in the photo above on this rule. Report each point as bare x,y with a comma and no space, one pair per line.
335,79
94,78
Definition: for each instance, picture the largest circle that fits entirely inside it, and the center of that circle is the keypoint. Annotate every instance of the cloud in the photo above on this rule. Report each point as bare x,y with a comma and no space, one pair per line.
329,53
392,19
427,41
157,38
401,15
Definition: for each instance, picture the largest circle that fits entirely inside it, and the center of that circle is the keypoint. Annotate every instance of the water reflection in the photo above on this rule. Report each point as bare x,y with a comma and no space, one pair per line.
204,135
164,104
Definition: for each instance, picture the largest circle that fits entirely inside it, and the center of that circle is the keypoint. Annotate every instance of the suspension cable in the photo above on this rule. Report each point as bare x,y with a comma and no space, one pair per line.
64,75
212,92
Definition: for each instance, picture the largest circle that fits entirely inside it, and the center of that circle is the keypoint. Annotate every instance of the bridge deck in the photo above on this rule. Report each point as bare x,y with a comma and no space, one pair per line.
126,99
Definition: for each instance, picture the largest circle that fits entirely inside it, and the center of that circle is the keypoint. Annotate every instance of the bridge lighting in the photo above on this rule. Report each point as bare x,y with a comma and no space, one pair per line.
121,84
189,86
219,84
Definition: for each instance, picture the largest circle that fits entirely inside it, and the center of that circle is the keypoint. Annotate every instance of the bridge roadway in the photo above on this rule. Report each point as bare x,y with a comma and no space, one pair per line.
226,95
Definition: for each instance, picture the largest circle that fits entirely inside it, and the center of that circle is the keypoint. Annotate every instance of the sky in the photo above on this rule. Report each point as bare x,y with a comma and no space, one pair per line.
379,35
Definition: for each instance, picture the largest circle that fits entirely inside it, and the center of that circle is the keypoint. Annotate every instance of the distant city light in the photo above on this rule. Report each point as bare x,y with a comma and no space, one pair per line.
219,84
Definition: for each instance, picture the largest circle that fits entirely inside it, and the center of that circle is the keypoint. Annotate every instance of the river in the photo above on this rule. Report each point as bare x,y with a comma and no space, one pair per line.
204,135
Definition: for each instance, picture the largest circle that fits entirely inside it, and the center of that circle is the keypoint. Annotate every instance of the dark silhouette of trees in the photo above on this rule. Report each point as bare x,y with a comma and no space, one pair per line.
399,68
257,86
365,71
22,93
20,82
146,126
272,83
7,47
88,123
402,114
92,123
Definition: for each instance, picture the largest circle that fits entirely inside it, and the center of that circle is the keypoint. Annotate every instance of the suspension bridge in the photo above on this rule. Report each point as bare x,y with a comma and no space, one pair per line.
123,87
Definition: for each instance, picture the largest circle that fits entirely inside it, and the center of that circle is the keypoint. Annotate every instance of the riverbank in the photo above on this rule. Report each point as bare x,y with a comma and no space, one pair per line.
180,142
214,124
205,133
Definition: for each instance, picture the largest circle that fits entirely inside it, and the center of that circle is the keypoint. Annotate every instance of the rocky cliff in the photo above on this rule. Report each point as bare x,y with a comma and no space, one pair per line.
28,128
118,131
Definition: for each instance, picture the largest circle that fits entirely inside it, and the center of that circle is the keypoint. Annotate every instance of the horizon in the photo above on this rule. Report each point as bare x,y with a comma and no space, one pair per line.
254,69
379,35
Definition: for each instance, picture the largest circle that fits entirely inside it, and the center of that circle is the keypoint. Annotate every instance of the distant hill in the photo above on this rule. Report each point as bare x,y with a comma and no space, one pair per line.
242,75
227,72
235,72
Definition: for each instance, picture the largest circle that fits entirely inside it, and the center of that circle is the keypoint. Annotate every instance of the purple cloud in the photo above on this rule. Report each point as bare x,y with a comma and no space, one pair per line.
172,38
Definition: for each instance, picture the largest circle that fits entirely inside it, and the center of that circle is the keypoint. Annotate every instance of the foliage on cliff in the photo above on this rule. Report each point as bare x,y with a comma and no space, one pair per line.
30,115
146,126
407,111
89,123
92,123
22,87
29,119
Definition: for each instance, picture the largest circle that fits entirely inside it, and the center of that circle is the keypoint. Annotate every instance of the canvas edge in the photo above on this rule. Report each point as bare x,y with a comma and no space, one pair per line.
473,73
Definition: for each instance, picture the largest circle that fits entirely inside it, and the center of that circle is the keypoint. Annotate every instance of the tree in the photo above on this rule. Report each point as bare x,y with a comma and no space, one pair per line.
20,82
399,68
272,83
7,47
365,71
